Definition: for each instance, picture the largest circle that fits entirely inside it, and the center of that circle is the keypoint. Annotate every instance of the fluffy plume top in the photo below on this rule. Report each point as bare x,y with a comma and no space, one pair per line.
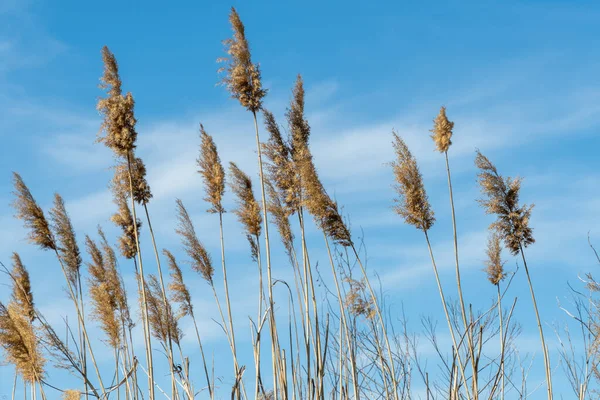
20,343
32,215
299,128
494,264
71,395
212,172
248,210
22,296
280,215
114,278
201,262
104,303
280,166
120,183
502,199
67,243
242,77
412,203
356,301
442,131
124,219
162,322
116,109
179,291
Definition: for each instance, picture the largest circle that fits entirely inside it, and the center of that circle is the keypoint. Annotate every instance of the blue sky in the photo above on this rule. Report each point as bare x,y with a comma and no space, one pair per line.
519,79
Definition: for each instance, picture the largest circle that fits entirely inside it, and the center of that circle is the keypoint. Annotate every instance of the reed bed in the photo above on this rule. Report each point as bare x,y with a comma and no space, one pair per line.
306,340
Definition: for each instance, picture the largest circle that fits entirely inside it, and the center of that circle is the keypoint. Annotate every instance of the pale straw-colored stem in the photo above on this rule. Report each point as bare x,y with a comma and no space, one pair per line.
208,381
145,321
445,306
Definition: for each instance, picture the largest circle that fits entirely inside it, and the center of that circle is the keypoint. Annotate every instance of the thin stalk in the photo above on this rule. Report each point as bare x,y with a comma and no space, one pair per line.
439,284
145,322
501,342
14,390
539,323
272,324
210,388
82,342
467,326
260,304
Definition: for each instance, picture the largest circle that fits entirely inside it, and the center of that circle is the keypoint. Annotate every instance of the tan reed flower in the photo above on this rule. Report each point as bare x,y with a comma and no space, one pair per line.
242,77
120,183
124,219
248,210
356,301
104,304
32,215
299,128
212,172
114,278
21,296
67,242
412,203
71,394
179,291
494,264
502,199
21,344
280,214
442,131
163,323
117,109
201,261
280,165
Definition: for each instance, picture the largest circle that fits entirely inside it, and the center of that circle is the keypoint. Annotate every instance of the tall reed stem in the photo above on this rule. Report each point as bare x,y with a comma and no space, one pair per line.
208,381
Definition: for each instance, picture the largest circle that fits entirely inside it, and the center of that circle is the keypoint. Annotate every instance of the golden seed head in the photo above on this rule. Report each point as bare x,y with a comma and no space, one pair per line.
442,131
280,165
212,172
120,183
71,395
356,301
298,125
21,344
494,264
502,199
67,243
32,215
124,219
412,203
201,261
179,291
248,210
114,278
117,110
242,78
281,215
163,324
22,296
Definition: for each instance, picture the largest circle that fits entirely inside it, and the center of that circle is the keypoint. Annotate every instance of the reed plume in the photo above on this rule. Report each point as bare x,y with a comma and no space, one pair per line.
162,320
67,242
32,215
280,167
502,199
212,172
201,261
355,301
71,394
104,304
21,295
494,263
298,125
114,278
120,183
242,77
116,109
281,215
442,131
412,203
248,210
123,218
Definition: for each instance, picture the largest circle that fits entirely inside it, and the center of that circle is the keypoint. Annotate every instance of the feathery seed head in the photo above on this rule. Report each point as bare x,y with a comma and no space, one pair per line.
248,210
212,172
412,203
124,219
494,264
502,199
442,131
162,322
120,183
32,215
71,395
299,128
281,215
22,297
201,261
67,243
356,301
113,277
179,291
242,78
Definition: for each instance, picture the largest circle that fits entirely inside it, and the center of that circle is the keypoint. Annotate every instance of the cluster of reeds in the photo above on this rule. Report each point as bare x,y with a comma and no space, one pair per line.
337,343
